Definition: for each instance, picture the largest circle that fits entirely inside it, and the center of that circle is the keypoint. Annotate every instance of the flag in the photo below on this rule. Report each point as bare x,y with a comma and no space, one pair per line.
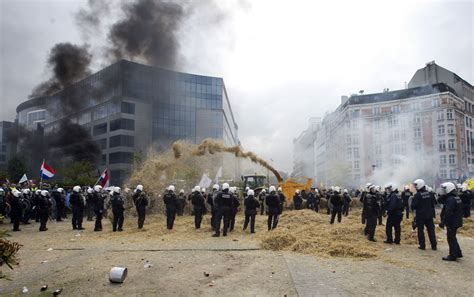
205,181
218,175
104,178
23,179
46,172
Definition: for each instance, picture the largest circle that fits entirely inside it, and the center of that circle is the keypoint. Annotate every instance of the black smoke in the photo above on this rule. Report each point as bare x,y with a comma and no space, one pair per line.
148,32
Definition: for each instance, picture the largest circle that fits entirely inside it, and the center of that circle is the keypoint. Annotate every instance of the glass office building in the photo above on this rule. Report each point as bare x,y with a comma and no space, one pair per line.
129,107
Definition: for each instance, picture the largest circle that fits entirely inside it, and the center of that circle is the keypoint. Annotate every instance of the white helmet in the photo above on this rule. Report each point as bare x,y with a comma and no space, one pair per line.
171,188
77,189
90,190
197,189
16,193
25,191
271,189
117,190
2,190
44,193
60,190
225,186
346,191
250,192
215,187
337,189
419,183
448,187
247,188
264,191
203,190
38,192
279,189
464,187
232,190
372,187
297,191
140,188
391,186
458,186
317,191
367,186
98,188
181,191
406,187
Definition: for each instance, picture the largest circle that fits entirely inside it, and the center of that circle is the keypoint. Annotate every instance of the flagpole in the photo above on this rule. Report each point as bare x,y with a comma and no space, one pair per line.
41,177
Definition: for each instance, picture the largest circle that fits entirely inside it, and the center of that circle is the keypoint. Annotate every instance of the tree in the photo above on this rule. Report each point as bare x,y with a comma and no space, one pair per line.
78,173
16,167
8,251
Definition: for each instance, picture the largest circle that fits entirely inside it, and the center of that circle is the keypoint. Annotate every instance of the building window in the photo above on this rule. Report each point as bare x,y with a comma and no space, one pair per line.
376,110
450,129
442,145
378,163
120,157
449,114
103,160
443,174
378,150
395,108
357,176
417,132
355,139
441,130
417,146
396,135
102,143
356,164
122,140
349,153
417,120
348,139
393,121
356,152
416,105
354,125
124,124
128,107
356,113
452,160
377,123
99,129
451,144
440,115
442,160
435,103
452,173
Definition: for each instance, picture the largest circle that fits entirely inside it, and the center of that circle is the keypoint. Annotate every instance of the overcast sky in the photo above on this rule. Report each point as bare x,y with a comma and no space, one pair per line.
282,61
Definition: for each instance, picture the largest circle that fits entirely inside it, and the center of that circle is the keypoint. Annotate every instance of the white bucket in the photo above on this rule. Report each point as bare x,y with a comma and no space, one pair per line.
117,274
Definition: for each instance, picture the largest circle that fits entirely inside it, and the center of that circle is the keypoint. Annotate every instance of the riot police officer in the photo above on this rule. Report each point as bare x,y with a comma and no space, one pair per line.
298,200
99,199
181,202
171,206
372,210
16,209
89,203
140,199
424,206
282,199
406,194
273,205
394,207
336,205
347,202
224,204
77,202
199,206
118,208
251,205
261,199
211,198
43,208
452,219
234,208
60,203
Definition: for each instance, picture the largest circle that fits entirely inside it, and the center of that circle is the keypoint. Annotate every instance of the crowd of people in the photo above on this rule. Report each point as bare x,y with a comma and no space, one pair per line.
223,203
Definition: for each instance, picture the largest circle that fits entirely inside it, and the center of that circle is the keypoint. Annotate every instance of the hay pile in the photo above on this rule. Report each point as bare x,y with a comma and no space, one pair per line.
310,233
467,228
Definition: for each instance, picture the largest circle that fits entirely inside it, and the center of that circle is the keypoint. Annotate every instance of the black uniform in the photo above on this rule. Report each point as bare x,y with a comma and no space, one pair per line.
117,210
273,204
311,200
298,201
90,206
43,208
77,204
347,202
424,206
199,208
406,199
171,204
251,205
98,210
15,212
181,203
261,199
394,208
362,200
452,219
336,203
282,198
372,210
224,205
233,212
381,201
27,202
140,200
466,203
210,201
60,205
3,202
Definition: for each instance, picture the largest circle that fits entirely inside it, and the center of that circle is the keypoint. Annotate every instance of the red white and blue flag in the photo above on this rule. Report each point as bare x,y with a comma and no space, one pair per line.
104,178
46,171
